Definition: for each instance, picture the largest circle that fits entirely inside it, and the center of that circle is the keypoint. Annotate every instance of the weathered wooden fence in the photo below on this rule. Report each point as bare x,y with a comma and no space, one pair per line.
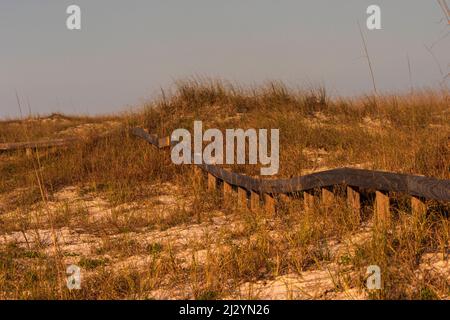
254,191
36,144
47,143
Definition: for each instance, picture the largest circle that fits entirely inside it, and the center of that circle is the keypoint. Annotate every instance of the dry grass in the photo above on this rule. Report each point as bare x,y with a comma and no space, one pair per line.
140,227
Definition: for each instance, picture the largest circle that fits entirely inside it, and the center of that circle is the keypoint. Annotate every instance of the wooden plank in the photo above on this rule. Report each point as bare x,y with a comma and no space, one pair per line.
308,200
418,207
327,197
269,204
212,182
354,201
227,191
242,198
382,208
254,200
36,144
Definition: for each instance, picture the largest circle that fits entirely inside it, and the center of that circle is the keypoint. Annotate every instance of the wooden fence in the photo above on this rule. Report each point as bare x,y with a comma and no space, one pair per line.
48,143
36,144
254,191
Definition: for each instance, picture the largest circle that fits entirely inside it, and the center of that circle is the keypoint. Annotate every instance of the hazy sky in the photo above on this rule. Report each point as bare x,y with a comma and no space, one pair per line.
127,50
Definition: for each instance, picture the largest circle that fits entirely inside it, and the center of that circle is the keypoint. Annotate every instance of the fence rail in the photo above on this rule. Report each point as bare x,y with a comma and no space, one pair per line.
49,143
418,187
36,144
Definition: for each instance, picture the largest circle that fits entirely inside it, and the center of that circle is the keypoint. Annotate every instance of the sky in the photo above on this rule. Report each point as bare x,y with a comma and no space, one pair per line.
127,51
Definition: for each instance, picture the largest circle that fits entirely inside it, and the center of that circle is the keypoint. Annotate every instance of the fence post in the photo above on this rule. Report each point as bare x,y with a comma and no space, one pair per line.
212,182
227,191
254,200
308,200
383,214
418,207
197,172
354,201
242,198
327,197
269,203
